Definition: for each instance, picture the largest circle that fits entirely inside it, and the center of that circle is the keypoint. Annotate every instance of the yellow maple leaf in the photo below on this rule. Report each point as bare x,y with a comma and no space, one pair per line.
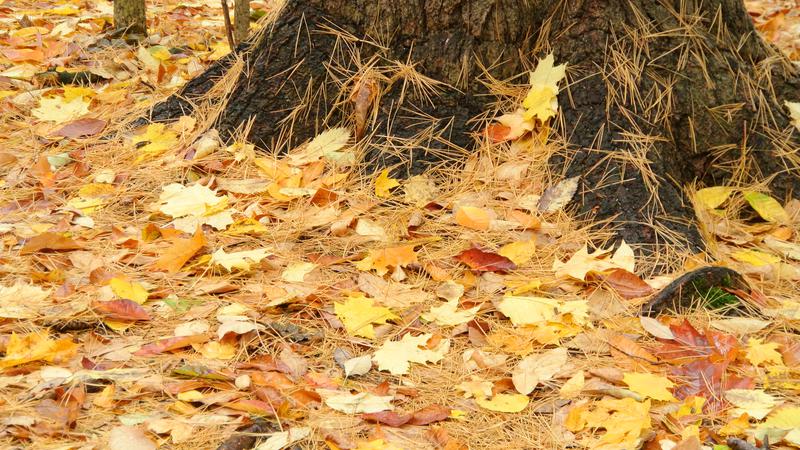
129,290
383,184
755,258
448,314
154,141
518,252
541,103
625,420
759,352
507,403
59,110
36,347
358,313
397,356
649,385
583,262
783,423
528,310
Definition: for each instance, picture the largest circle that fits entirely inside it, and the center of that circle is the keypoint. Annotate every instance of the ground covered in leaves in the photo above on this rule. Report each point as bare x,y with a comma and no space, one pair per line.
161,289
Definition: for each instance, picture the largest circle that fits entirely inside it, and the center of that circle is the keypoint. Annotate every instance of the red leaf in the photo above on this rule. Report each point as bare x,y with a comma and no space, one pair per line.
430,414
497,132
169,344
627,284
121,310
710,380
690,344
389,418
48,241
81,127
483,261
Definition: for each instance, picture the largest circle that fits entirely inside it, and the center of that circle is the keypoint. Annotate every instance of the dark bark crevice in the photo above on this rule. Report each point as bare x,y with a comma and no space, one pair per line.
680,84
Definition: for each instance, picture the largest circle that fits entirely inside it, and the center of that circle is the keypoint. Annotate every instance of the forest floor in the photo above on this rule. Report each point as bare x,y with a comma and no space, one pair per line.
159,289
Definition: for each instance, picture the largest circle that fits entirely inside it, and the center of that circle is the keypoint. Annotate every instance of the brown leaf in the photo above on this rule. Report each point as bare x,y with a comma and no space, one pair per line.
181,251
389,418
121,310
49,242
430,414
627,284
256,407
169,344
483,261
81,127
630,348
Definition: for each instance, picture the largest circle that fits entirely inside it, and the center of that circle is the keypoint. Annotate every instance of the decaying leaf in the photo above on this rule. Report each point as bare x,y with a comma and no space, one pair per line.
558,196
484,261
238,260
360,403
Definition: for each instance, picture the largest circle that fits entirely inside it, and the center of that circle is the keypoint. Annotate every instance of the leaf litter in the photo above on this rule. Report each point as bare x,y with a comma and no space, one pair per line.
161,290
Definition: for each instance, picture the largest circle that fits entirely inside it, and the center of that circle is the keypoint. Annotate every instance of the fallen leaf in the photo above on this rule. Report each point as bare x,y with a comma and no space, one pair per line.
397,356
649,385
628,285
556,197
238,260
81,128
36,347
794,112
625,421
506,403
381,260
759,352
528,310
473,218
296,272
537,368
572,387
384,184
449,315
390,418
755,258
480,260
129,438
518,252
49,241
656,328
21,300
126,310
169,344
712,197
767,207
361,403
740,325
430,414
129,290
754,402
357,366
358,313
181,251
59,110
155,140
541,102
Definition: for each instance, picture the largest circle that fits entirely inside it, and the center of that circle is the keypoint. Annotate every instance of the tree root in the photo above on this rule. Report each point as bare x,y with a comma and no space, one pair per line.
702,287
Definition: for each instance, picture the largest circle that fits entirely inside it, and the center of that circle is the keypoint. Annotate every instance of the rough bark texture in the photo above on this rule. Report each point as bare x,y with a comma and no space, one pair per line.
241,12
662,92
129,15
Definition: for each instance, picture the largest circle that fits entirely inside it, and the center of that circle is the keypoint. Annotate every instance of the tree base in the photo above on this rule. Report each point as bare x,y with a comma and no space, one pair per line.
670,98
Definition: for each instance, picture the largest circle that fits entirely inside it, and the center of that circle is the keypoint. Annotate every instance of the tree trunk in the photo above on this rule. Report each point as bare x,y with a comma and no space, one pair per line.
662,92
241,12
129,16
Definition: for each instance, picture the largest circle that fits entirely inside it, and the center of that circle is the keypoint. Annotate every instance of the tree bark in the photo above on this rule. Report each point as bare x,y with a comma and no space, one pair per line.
129,16
662,92
241,12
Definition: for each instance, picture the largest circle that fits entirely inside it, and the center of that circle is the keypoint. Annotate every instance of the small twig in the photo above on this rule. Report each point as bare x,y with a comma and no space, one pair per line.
741,444
228,28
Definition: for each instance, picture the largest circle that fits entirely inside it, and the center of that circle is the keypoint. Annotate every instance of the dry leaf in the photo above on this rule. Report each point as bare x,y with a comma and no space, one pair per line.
358,313
396,356
536,368
181,251
507,403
